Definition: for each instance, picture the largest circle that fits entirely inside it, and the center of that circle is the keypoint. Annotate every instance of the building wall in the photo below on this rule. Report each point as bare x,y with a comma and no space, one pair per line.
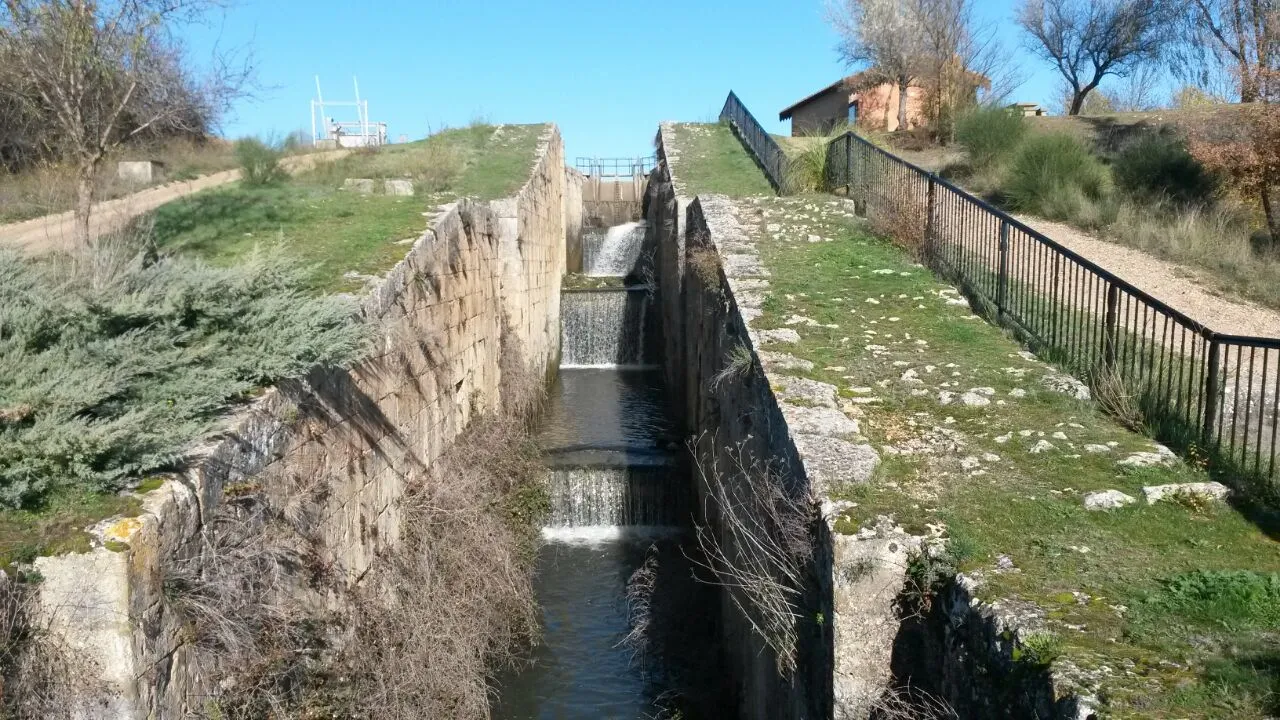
878,107
877,110
334,448
821,113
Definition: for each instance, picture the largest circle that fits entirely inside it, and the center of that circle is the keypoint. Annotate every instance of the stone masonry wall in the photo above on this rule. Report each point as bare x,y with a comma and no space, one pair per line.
343,441
851,638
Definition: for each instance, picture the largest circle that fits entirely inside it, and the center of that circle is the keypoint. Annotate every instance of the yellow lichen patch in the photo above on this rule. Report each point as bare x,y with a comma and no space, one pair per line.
122,531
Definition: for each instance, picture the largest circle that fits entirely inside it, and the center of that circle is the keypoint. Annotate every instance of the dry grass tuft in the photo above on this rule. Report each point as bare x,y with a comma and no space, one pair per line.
1118,400
900,216
704,262
40,677
908,703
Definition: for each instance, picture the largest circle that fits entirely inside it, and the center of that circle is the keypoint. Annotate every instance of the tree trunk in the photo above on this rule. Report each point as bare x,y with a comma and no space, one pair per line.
903,84
1269,211
1077,103
84,203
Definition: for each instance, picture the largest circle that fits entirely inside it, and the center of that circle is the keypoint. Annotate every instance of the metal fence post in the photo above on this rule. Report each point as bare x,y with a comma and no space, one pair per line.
1110,327
1002,292
928,218
848,167
1054,304
1211,389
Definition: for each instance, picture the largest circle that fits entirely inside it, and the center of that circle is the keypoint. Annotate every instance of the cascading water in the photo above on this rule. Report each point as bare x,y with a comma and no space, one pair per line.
607,328
620,494
613,252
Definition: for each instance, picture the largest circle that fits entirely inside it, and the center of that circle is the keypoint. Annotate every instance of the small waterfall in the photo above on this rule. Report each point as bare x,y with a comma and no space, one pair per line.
605,328
616,496
613,252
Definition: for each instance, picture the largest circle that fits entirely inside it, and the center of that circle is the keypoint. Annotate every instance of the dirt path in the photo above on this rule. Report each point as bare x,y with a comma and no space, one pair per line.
1176,285
55,232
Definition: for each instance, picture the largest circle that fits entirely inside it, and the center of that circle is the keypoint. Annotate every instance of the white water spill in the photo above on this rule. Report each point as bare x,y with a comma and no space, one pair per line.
615,253
600,534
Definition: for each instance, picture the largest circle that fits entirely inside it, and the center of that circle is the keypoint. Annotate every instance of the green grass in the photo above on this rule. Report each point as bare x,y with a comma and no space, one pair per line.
711,159
334,231
1178,644
338,231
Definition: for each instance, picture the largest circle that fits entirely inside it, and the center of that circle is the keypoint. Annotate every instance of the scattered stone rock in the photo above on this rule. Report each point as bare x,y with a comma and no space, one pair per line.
1107,500
1017,393
1215,491
946,397
1067,385
781,335
1005,563
1042,446
800,320
1059,435
1145,459
973,399
831,463
1096,449
1002,439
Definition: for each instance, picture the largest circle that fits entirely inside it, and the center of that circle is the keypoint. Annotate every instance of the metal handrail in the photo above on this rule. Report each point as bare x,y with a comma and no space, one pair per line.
761,144
1223,388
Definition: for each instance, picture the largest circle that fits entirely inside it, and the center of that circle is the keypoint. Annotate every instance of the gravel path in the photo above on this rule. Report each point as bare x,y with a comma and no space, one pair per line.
55,232
1176,285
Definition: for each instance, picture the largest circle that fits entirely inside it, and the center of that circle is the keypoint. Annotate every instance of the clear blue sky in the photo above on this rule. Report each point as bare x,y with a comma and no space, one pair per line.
606,71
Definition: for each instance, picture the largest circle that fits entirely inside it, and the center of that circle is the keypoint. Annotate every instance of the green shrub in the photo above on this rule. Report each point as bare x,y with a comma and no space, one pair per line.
113,364
990,134
259,162
1056,177
1159,166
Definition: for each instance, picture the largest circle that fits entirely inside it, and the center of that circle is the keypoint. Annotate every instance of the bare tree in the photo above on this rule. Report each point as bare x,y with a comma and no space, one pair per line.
884,36
1088,40
1241,37
103,73
964,60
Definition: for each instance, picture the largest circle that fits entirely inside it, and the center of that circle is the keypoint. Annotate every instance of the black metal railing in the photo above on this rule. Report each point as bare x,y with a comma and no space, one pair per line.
759,142
607,168
1217,395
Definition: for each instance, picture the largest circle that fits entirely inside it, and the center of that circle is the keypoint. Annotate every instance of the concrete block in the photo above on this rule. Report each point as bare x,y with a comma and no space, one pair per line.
398,188
364,186
144,172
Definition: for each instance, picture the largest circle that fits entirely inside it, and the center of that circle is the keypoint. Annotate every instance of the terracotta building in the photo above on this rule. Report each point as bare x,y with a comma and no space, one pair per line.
855,99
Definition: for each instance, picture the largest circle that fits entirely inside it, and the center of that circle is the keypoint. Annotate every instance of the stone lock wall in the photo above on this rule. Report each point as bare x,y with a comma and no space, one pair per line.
847,660
480,281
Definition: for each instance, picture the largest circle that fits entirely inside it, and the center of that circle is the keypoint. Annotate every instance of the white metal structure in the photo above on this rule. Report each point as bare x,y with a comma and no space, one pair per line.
358,133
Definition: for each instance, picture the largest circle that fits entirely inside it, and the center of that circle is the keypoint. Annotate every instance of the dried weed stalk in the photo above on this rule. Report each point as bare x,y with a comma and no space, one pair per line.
757,544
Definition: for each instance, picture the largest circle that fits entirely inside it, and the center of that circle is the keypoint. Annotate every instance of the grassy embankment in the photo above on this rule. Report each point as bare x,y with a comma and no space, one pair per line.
341,231
1177,599
70,485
